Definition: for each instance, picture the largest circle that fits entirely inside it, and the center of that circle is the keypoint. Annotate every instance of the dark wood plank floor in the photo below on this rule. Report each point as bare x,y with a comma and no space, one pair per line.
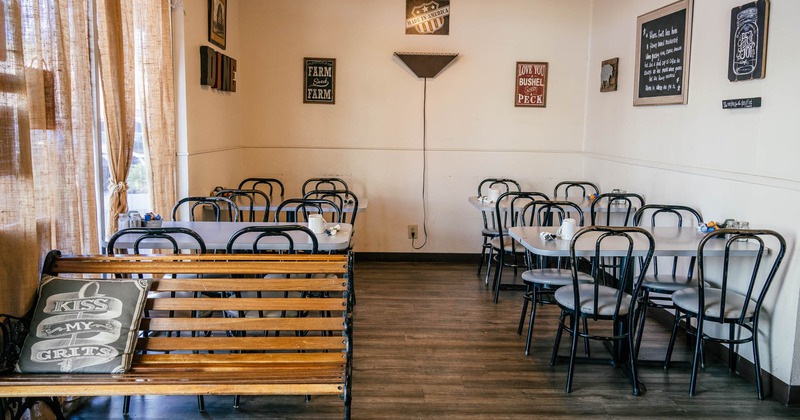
430,344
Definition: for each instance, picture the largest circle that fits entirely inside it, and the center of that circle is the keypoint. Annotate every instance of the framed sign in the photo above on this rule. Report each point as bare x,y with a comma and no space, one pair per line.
608,75
217,22
747,58
320,80
663,43
531,85
427,17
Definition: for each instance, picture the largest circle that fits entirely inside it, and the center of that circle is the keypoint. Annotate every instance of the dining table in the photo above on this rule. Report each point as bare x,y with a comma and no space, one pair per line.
584,203
216,236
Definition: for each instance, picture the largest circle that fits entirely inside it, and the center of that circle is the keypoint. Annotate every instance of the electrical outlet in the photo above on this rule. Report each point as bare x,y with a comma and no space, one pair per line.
412,231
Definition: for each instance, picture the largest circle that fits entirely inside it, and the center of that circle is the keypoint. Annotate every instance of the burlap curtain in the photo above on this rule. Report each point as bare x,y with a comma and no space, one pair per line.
46,150
115,40
155,95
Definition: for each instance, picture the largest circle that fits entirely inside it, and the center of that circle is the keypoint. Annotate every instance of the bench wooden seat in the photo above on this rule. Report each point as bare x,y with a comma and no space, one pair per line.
307,351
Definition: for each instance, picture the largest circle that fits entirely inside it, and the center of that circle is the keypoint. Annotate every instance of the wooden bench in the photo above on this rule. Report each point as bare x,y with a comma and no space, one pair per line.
180,353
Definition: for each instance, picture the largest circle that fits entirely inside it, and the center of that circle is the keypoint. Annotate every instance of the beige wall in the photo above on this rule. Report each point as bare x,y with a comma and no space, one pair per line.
727,163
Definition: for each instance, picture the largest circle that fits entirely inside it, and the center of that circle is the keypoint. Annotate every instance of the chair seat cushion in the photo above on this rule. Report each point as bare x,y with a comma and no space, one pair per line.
607,299
511,246
687,299
553,277
667,283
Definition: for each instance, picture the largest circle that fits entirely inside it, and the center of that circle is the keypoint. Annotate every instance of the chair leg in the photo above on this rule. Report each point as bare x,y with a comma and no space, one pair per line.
489,265
586,339
642,317
731,349
697,357
201,404
757,362
557,341
483,254
572,351
530,323
672,339
632,358
526,297
126,405
498,273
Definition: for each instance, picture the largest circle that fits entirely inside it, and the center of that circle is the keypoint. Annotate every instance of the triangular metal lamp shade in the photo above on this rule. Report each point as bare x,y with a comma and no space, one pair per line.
426,64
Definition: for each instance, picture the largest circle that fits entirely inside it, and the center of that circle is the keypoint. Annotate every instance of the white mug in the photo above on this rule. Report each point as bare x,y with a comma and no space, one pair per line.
316,223
494,194
567,229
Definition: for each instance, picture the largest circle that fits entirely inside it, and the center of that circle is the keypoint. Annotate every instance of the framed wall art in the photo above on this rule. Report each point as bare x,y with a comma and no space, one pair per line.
608,74
320,80
663,43
217,22
748,47
427,17
531,85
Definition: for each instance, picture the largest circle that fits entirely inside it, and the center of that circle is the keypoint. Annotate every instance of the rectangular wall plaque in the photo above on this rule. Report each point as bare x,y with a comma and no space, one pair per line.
741,103
320,80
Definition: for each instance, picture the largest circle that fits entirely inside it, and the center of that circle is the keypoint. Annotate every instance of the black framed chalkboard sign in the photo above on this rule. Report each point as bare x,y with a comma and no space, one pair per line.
663,50
319,85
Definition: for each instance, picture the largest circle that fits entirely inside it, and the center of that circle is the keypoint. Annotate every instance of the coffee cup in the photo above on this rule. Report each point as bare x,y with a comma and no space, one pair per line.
316,223
567,229
494,194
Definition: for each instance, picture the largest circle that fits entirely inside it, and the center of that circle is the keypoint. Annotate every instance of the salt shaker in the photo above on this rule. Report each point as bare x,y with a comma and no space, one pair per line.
122,221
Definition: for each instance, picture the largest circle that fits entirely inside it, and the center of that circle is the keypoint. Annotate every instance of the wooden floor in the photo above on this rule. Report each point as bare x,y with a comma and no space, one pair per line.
430,344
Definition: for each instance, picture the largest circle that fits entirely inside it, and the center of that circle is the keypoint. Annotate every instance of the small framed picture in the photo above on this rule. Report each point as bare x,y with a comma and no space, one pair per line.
531,85
608,75
217,22
320,80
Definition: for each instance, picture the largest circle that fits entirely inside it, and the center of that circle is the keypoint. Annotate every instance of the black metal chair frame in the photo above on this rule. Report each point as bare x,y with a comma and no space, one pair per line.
661,301
272,231
568,185
538,293
333,183
623,324
305,206
249,195
611,199
504,221
214,202
272,183
489,230
741,319
342,198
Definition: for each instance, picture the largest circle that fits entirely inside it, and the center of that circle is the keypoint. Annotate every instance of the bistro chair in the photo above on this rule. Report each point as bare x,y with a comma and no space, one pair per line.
247,201
223,208
268,185
489,228
665,279
542,279
617,204
735,302
295,207
507,215
345,199
324,184
600,301
155,237
578,188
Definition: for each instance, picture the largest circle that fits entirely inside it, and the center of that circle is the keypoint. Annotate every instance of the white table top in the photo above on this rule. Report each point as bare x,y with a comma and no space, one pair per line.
670,241
216,235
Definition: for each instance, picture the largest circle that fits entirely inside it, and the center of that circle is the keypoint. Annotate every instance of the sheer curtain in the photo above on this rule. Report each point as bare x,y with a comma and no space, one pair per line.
46,152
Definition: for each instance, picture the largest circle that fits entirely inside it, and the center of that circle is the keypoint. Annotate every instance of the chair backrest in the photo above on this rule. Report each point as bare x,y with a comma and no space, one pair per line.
756,284
345,199
247,199
324,184
618,205
508,210
505,185
626,243
221,206
268,184
306,206
669,215
541,212
563,188
290,232
148,235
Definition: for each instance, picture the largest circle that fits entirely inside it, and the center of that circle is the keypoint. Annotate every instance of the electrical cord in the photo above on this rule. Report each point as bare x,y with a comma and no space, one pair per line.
424,166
